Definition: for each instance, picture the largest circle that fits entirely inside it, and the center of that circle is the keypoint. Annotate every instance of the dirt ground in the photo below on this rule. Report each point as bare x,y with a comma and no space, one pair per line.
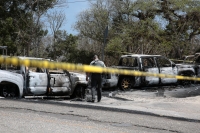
182,94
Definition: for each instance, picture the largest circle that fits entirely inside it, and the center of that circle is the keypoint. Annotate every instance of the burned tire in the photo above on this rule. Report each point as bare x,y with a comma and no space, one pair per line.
125,83
187,82
79,92
10,91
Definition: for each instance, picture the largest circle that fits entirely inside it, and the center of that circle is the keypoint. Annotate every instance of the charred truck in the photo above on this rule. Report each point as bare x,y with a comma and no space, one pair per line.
190,67
146,63
21,81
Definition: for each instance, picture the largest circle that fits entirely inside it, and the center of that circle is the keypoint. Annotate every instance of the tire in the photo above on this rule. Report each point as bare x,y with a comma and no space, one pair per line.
79,92
10,91
187,82
125,84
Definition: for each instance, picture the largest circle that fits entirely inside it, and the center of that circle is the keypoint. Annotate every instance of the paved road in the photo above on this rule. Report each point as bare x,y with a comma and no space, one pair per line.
166,109
39,115
175,102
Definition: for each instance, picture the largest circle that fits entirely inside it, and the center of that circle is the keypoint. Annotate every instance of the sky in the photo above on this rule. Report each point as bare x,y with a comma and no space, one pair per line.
73,8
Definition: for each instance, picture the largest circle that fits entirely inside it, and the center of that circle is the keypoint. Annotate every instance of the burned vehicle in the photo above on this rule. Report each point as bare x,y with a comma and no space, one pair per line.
21,81
153,64
109,81
190,67
146,63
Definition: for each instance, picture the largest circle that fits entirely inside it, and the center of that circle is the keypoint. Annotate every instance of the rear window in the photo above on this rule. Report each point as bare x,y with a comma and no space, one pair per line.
163,62
128,61
148,62
36,69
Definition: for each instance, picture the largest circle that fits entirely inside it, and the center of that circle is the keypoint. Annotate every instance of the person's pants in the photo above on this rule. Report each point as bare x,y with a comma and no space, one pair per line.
93,90
96,85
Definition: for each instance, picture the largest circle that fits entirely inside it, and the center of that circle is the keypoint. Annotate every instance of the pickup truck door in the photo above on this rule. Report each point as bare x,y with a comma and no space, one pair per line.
167,67
59,84
37,81
149,65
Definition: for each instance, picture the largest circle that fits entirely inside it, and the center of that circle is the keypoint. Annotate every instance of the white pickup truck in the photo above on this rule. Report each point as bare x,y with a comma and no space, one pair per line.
21,81
145,63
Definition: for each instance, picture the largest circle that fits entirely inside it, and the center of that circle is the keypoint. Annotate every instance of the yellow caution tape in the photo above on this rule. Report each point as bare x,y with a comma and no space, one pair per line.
85,68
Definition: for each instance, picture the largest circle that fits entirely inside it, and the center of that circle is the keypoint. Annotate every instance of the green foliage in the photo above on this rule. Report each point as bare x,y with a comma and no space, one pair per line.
64,47
19,30
93,21
114,46
81,56
133,28
142,34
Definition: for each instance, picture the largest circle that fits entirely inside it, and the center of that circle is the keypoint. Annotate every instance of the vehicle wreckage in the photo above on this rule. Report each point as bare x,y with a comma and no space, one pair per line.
21,81
146,63
190,67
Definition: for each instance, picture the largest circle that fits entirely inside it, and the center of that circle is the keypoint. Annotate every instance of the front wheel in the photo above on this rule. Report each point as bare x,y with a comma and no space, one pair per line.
125,84
79,92
10,91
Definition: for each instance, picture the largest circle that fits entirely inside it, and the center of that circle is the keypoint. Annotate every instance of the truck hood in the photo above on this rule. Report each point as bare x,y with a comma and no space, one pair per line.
9,74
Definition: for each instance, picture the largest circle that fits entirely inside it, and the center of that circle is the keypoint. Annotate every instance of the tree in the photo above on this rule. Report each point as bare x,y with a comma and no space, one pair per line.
67,50
150,27
21,22
91,25
55,20
64,46
12,23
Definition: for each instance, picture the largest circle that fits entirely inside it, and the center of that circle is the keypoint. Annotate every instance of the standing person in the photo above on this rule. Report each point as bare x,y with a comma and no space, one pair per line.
96,79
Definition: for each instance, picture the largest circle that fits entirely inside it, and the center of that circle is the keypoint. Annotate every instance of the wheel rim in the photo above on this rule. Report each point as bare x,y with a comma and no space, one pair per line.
125,84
